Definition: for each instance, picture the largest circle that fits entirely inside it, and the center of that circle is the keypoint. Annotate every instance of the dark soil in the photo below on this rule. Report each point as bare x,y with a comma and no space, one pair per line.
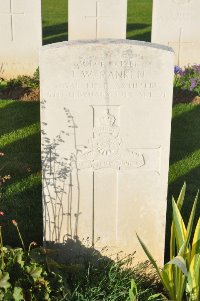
24,94
185,96
28,94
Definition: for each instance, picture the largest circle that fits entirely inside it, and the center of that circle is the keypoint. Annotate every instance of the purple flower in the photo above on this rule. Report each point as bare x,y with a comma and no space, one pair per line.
196,68
193,84
178,70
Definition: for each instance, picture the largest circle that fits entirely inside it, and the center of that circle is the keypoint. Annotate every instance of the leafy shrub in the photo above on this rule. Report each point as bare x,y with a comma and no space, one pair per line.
22,81
22,278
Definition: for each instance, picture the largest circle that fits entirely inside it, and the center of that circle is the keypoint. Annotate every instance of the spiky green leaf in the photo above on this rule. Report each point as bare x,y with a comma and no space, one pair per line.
180,263
179,226
181,197
149,256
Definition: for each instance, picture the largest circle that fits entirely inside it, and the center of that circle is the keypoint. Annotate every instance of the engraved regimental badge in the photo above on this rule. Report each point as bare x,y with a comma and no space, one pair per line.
105,148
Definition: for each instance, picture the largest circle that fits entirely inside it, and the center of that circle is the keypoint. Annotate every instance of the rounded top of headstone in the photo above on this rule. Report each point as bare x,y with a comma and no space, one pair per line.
182,1
106,42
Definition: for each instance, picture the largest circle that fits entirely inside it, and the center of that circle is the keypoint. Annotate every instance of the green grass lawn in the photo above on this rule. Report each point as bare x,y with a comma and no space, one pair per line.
55,24
184,158
20,135
20,141
54,21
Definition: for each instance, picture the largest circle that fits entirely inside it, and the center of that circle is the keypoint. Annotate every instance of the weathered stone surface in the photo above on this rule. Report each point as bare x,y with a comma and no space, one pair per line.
97,19
20,37
106,116
176,23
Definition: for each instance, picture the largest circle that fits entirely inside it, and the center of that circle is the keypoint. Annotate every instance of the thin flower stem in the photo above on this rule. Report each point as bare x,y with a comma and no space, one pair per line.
33,243
20,237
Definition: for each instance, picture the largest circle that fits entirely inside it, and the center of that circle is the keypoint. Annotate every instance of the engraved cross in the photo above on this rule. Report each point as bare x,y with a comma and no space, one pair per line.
11,14
180,47
97,17
179,54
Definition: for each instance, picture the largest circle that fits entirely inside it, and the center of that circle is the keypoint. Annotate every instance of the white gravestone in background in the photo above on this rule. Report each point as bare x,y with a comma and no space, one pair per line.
106,115
176,23
20,37
97,19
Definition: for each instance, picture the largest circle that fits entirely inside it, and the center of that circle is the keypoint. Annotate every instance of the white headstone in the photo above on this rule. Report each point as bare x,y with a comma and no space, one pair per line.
176,23
106,116
20,37
97,19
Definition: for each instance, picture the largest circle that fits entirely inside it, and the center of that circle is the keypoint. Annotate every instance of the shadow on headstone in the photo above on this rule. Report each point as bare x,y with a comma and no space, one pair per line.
77,252
60,183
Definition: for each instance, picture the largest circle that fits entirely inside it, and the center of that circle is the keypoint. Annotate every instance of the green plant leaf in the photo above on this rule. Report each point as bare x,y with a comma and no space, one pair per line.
179,205
179,226
172,240
18,256
156,296
34,270
18,294
168,280
180,263
149,256
4,277
181,197
133,291
8,296
193,289
191,221
196,240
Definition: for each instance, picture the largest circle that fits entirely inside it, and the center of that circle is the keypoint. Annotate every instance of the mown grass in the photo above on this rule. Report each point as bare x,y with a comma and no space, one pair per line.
55,20
21,197
55,24
139,20
184,159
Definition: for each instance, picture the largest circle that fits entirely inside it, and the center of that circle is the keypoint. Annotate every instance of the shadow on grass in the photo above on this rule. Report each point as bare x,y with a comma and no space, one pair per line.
185,133
146,36
59,32
92,275
17,115
185,144
21,197
23,204
136,26
132,32
55,33
28,145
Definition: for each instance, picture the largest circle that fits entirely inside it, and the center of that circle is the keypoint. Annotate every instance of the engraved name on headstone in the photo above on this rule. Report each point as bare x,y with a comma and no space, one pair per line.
97,19
176,24
106,115
20,37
